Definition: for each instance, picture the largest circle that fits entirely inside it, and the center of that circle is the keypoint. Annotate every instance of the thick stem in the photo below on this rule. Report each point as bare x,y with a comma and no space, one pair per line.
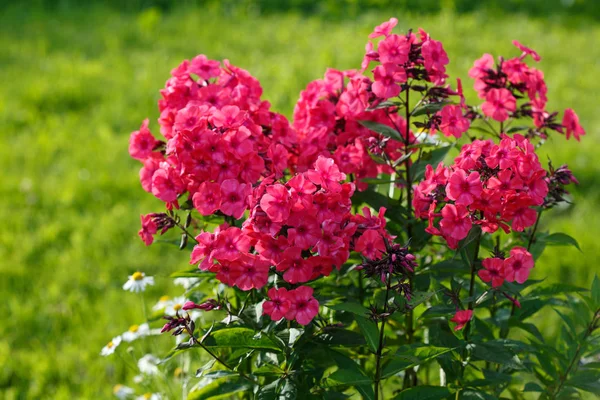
380,346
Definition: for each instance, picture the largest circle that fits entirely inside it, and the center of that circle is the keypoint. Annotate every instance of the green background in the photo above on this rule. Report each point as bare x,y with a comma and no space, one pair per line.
77,80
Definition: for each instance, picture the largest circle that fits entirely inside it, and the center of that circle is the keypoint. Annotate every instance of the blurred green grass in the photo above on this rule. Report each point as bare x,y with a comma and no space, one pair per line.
76,81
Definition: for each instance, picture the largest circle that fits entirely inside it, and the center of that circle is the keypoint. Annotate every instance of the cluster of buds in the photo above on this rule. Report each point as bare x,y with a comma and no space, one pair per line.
557,180
180,324
396,262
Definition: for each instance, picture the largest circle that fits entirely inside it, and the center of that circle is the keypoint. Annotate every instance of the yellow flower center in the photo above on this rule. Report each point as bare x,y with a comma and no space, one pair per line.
177,307
134,328
110,344
148,395
137,276
178,372
117,388
163,299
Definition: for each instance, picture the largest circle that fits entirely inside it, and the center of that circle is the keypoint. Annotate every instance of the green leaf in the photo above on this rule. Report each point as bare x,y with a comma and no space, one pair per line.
240,338
430,108
471,394
370,332
433,157
586,380
424,393
532,387
187,273
384,104
219,389
497,352
596,291
382,129
517,128
346,363
340,337
351,307
348,377
560,239
409,356
419,298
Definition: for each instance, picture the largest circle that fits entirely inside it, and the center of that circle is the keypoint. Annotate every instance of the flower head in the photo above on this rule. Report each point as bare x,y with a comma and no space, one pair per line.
111,346
461,318
137,282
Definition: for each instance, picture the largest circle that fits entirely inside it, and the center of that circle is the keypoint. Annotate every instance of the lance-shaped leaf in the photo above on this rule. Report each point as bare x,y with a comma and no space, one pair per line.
409,356
382,129
424,393
240,338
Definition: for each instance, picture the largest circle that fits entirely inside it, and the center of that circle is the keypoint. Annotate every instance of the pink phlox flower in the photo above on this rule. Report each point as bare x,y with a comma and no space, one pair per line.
370,244
384,29
234,197
142,143
149,229
527,51
327,174
571,125
518,265
278,304
207,199
461,318
498,103
493,271
455,222
304,307
453,122
463,188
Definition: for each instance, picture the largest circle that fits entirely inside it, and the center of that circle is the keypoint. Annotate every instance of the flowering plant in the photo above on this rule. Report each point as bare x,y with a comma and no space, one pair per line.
348,252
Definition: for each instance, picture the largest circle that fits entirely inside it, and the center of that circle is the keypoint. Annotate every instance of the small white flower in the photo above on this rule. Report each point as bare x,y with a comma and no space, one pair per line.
175,305
148,364
138,282
186,282
149,396
135,332
161,304
111,346
123,392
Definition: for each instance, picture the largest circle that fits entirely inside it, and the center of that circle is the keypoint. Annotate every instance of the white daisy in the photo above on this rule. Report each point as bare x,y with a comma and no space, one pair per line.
138,282
149,396
175,305
186,282
148,364
123,392
111,346
161,304
135,332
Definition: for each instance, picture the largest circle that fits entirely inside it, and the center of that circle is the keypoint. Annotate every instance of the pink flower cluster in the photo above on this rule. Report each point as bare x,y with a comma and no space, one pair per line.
326,119
221,138
298,230
401,57
502,84
489,184
514,268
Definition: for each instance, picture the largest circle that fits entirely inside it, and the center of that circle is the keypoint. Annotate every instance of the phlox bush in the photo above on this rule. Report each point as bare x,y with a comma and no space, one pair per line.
378,246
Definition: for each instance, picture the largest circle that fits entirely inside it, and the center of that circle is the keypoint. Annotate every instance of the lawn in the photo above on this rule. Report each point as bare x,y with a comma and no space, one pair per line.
76,82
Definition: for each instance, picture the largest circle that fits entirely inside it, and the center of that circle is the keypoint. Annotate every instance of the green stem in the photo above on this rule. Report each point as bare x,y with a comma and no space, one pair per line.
217,358
381,338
